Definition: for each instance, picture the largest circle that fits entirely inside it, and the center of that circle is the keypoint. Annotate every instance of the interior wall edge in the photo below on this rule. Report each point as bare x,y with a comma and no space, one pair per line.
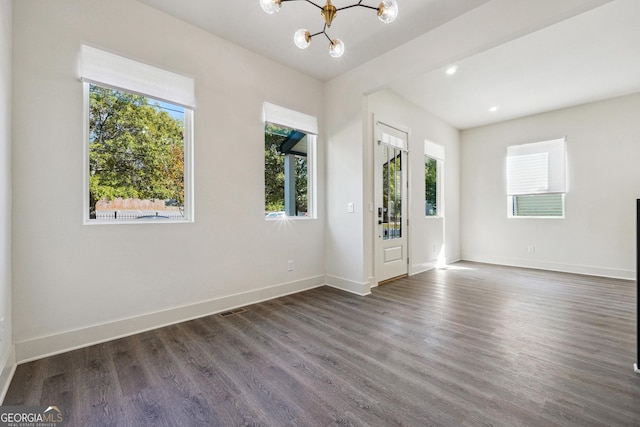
40,347
7,369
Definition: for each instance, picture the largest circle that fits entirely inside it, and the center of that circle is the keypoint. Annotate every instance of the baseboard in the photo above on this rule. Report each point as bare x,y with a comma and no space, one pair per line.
587,270
8,369
358,288
421,268
452,260
372,283
40,347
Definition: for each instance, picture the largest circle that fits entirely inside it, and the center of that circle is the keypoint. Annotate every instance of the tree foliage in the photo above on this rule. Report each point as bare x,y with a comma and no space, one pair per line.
392,185
431,185
136,150
274,175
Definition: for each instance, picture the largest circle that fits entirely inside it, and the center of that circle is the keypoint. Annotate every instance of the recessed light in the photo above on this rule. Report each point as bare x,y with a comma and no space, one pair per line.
452,70
494,108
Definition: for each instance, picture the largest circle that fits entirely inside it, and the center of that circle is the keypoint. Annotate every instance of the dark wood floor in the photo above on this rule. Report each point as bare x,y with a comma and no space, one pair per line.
467,346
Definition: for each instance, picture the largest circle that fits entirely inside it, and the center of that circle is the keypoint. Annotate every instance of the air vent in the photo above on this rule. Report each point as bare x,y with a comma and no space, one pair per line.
232,312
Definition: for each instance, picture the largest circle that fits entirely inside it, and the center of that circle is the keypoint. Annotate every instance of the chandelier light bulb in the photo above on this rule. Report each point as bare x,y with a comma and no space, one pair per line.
336,48
271,6
302,38
388,11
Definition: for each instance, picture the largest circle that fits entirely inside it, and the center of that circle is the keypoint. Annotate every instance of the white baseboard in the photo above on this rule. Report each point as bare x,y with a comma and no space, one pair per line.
8,368
40,347
372,283
453,260
588,270
358,288
421,268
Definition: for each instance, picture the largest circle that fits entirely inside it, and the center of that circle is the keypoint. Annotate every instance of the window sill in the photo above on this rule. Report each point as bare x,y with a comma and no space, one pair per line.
138,222
289,218
536,217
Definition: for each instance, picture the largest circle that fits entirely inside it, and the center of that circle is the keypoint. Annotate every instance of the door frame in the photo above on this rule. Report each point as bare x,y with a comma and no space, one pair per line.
407,200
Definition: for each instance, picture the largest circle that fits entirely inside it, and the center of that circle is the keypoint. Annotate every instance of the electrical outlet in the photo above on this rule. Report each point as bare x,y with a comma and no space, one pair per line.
531,249
290,265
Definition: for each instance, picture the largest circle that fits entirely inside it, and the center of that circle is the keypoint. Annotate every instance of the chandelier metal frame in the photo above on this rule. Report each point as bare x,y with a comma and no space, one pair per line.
387,12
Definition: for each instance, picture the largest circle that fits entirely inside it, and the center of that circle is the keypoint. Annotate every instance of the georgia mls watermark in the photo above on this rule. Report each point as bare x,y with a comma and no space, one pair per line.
30,416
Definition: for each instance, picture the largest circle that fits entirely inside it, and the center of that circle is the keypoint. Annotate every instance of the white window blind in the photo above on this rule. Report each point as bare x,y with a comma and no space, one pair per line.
433,150
117,72
291,119
537,168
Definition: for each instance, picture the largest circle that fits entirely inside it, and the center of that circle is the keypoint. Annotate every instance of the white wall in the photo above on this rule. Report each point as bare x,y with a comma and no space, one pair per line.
349,179
7,356
344,236
428,236
77,284
598,234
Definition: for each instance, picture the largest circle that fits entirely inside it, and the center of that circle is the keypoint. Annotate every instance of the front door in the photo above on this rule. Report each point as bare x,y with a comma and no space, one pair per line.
391,207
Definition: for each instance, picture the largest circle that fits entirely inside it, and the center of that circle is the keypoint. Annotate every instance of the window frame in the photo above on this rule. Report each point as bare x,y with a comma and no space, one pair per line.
436,152
188,142
556,153
291,119
510,215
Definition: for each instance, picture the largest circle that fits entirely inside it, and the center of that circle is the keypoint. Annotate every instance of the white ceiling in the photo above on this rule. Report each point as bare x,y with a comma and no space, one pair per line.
587,56
244,23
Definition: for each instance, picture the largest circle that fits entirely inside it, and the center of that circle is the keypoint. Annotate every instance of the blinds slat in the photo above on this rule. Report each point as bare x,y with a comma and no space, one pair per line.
537,168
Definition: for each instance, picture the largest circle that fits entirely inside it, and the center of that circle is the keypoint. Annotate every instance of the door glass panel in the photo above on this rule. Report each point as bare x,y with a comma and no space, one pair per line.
391,192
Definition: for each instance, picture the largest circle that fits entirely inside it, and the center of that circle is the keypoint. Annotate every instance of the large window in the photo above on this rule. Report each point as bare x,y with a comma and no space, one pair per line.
289,147
433,165
536,179
139,139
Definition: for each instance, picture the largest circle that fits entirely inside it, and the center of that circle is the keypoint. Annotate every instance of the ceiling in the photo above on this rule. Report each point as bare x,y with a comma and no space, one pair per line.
243,22
591,56
586,56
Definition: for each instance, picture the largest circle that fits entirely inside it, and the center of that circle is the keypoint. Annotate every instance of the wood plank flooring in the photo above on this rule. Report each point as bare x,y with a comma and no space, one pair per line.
471,345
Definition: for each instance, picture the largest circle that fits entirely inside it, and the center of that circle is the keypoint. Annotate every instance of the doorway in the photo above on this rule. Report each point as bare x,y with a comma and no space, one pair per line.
391,188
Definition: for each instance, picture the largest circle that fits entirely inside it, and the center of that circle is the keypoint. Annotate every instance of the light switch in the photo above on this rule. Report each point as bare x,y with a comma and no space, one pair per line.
350,207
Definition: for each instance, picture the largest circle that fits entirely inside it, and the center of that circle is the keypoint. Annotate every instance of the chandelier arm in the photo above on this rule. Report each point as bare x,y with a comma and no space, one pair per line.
308,1
327,36
359,4
316,34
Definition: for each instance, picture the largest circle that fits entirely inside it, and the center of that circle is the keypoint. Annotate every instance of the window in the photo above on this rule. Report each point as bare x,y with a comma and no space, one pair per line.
289,147
536,179
139,141
433,165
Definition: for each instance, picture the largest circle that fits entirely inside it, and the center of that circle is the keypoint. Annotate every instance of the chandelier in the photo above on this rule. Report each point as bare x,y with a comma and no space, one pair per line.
387,13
